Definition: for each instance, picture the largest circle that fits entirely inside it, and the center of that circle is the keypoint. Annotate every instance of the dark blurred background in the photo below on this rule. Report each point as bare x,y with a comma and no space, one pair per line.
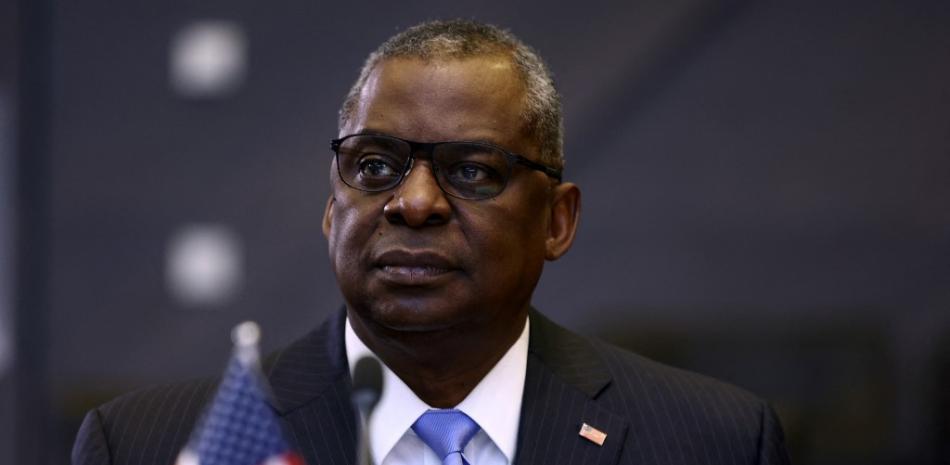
766,197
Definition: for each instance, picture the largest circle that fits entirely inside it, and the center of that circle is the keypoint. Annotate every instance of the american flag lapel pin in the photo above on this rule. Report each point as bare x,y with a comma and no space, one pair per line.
592,434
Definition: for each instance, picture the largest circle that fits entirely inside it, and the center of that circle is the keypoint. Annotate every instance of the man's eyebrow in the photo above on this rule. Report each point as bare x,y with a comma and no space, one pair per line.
484,141
371,132
477,140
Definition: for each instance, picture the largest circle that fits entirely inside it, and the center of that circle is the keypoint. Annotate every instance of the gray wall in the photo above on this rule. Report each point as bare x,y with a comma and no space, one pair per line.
765,196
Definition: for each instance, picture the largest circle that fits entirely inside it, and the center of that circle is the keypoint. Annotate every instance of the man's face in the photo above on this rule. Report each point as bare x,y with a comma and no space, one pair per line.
413,258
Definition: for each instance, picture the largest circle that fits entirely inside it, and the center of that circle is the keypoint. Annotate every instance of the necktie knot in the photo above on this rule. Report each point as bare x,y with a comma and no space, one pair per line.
446,432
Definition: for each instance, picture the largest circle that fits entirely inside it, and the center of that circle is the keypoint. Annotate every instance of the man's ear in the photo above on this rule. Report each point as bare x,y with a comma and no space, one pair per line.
565,215
327,214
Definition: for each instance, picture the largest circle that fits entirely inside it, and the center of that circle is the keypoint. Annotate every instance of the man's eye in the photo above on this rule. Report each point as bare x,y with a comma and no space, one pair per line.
470,172
377,167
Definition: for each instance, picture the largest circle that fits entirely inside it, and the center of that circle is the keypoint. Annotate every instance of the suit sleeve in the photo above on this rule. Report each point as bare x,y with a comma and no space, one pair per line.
772,449
91,446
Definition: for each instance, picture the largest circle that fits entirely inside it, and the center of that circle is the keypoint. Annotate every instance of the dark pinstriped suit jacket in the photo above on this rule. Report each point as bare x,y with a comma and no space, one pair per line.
652,413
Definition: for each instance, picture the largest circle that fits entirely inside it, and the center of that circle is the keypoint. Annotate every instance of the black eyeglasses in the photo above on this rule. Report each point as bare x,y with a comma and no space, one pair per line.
467,170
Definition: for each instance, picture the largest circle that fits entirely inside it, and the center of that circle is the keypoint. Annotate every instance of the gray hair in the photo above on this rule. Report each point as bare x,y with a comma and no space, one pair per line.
458,39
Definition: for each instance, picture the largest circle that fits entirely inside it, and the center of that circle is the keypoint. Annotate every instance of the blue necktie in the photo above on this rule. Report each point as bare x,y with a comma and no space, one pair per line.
446,432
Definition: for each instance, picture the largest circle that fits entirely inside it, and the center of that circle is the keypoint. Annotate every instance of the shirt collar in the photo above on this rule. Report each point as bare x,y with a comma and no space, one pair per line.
495,403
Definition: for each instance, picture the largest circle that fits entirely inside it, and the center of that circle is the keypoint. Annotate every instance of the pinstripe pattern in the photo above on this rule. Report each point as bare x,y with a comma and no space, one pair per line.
652,413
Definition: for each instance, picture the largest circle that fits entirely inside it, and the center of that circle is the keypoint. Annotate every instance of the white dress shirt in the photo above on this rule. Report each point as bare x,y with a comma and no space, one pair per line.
495,404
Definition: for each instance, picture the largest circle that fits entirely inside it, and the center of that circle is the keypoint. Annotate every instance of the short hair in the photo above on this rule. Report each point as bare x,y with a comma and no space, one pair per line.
459,39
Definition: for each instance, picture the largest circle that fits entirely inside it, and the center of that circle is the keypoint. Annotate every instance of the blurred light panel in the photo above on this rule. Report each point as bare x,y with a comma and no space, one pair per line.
208,59
204,266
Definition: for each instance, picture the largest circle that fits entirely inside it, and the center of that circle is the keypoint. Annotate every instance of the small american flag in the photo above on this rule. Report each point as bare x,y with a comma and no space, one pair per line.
592,434
239,427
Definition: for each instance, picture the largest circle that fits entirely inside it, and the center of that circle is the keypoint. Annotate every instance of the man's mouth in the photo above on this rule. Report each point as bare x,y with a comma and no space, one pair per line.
413,268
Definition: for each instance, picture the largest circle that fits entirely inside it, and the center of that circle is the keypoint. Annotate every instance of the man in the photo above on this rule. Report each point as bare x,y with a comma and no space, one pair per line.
446,200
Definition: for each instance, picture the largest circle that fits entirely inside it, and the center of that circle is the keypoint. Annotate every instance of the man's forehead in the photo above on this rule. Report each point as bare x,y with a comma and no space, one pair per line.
478,97
460,75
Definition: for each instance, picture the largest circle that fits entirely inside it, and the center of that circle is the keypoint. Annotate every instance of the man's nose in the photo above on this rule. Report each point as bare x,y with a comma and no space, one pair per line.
418,201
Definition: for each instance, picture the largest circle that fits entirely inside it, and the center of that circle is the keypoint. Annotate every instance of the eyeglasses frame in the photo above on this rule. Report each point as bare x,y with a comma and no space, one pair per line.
428,148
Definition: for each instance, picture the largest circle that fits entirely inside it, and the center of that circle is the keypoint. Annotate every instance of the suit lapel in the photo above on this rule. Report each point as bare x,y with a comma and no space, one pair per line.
563,380
311,385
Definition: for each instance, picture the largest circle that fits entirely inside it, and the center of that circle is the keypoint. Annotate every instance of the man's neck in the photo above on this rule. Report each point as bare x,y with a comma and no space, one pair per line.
440,367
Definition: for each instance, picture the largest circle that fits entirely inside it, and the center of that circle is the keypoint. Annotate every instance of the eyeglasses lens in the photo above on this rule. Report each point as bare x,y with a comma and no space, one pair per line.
465,170
372,163
471,171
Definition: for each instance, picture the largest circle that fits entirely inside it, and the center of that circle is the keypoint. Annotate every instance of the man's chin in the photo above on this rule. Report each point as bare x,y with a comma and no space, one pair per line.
408,318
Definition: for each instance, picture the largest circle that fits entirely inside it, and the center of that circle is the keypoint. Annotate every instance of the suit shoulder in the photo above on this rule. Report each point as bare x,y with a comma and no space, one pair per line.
149,425
671,415
680,401
695,417
582,358
634,371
